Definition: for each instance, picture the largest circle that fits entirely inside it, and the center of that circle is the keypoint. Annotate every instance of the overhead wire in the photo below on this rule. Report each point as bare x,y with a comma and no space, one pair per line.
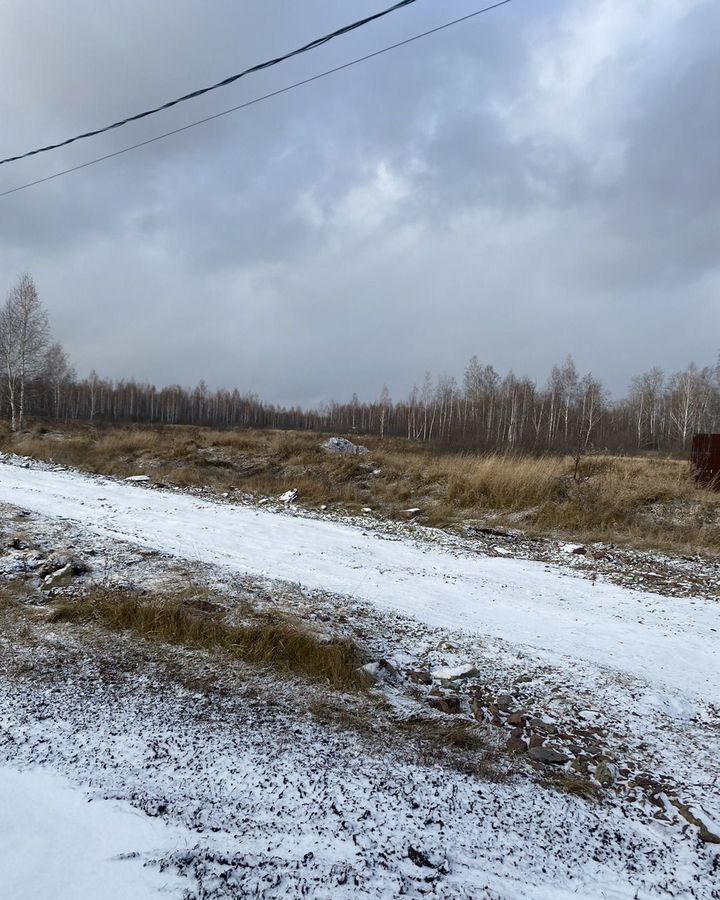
256,100
231,79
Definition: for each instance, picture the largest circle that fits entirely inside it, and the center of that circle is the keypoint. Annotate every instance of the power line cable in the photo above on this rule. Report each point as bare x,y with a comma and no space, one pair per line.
255,100
259,67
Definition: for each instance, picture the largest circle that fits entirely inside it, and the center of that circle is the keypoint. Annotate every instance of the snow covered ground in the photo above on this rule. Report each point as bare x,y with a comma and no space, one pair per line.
543,607
54,843
252,797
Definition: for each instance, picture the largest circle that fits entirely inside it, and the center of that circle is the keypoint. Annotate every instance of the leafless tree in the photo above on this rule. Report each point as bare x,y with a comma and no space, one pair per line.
24,334
58,374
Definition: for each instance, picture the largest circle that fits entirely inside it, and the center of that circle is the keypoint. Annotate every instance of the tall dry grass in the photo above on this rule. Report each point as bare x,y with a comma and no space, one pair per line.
278,643
645,501
499,481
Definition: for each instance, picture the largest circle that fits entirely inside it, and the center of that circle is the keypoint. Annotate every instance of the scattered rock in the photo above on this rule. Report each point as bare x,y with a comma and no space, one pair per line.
138,478
517,718
536,740
61,560
419,677
504,701
455,673
516,745
549,756
606,774
380,670
289,496
422,860
60,578
449,705
541,725
344,447
387,667
447,646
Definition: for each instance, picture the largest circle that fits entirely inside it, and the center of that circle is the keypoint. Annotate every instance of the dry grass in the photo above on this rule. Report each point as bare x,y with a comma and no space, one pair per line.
278,643
457,734
342,701
574,785
429,739
643,501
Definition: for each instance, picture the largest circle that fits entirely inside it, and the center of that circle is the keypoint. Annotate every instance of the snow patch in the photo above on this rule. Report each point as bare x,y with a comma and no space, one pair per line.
54,843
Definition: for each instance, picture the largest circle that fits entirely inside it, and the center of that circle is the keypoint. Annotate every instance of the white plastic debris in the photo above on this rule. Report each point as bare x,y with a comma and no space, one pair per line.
289,496
138,478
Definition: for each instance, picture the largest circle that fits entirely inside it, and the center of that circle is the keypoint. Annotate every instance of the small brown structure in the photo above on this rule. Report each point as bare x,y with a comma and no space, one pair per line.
706,460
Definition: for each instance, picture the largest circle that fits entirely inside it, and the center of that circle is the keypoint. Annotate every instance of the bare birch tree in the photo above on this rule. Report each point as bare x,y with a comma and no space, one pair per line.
58,374
24,333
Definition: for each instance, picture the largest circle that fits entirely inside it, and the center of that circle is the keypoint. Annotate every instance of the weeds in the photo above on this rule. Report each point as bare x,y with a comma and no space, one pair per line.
283,645
643,501
576,786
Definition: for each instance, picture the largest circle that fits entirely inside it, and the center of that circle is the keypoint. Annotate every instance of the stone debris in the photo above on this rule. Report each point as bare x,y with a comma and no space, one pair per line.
380,670
60,578
61,560
344,447
445,704
455,674
419,677
606,773
549,756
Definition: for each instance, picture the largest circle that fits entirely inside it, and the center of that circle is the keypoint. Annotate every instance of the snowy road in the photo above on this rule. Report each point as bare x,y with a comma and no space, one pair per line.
179,771
665,641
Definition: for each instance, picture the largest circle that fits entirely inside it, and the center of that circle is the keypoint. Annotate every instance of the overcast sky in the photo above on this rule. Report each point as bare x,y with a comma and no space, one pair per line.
542,180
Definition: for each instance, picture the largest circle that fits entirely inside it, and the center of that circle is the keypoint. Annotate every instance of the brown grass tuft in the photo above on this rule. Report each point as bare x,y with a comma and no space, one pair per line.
280,644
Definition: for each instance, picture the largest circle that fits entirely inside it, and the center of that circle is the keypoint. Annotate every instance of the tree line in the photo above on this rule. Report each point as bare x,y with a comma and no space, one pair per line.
570,412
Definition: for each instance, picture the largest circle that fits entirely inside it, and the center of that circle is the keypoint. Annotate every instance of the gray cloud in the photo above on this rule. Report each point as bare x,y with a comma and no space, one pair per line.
542,181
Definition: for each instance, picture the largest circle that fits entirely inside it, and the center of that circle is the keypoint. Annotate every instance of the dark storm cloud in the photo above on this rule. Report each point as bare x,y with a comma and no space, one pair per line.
540,181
